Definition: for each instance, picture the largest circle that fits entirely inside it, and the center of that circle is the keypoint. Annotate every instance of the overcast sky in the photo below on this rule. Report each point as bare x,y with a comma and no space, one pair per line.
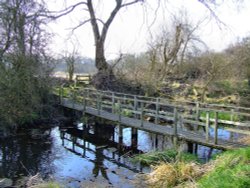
131,30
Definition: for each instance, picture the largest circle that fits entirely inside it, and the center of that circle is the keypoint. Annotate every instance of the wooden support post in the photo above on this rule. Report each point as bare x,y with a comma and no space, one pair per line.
142,113
163,142
156,141
113,102
120,136
157,111
135,106
134,138
232,120
216,128
207,125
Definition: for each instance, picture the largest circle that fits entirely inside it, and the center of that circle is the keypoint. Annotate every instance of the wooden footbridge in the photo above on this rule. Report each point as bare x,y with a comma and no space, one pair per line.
217,126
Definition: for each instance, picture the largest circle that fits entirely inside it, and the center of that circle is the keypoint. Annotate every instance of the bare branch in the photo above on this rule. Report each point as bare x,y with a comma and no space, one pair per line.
65,11
131,3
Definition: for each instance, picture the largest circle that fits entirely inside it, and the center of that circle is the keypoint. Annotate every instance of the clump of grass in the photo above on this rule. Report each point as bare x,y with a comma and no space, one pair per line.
171,155
172,174
231,169
47,185
36,181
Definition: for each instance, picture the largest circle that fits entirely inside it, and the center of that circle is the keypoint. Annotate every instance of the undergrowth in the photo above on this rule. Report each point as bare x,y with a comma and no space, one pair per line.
228,169
171,155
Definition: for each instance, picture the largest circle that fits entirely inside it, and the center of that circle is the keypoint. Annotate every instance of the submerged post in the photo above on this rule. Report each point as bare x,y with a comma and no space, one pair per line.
216,128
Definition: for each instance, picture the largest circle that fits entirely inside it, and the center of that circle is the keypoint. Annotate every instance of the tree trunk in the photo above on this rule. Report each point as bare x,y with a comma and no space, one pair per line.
100,61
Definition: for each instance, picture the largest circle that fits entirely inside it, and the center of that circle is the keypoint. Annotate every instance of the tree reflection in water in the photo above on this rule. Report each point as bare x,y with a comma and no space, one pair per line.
26,153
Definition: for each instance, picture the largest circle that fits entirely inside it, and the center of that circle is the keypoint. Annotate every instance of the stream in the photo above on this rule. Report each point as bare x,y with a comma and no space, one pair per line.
80,155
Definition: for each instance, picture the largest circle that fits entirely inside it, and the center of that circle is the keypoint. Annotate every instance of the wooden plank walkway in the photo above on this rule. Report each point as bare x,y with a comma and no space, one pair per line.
173,130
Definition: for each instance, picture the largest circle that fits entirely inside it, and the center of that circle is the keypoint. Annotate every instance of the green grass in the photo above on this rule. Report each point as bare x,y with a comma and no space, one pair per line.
222,116
47,185
232,169
171,155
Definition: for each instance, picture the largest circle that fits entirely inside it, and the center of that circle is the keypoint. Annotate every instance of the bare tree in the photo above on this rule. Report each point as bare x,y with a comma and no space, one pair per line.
100,27
70,59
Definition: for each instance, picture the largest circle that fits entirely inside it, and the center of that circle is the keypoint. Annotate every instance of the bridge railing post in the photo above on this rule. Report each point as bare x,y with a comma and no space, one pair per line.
135,106
197,115
61,94
207,125
142,113
157,111
175,132
84,101
119,111
175,122
232,120
113,102
73,95
99,103
216,128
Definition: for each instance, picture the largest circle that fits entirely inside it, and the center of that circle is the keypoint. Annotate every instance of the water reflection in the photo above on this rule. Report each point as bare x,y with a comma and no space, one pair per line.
27,153
80,154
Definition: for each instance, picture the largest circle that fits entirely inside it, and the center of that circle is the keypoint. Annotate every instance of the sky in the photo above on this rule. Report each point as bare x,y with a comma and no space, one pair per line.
133,28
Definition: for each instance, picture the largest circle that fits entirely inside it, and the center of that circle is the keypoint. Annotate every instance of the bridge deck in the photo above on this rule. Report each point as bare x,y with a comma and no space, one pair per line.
168,130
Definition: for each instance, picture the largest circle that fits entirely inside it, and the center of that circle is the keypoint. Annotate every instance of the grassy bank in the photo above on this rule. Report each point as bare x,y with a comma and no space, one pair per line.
229,169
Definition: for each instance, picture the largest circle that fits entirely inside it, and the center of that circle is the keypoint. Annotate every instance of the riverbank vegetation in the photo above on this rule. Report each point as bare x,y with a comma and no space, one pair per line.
25,66
228,169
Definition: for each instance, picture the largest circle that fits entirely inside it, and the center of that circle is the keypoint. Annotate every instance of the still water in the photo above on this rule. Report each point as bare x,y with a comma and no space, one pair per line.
80,155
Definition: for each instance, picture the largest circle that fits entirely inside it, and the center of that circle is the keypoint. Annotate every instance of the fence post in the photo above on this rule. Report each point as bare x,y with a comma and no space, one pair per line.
207,125
175,136
142,113
175,121
84,102
119,111
113,102
197,115
216,128
73,97
61,94
135,106
157,111
232,120
99,103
